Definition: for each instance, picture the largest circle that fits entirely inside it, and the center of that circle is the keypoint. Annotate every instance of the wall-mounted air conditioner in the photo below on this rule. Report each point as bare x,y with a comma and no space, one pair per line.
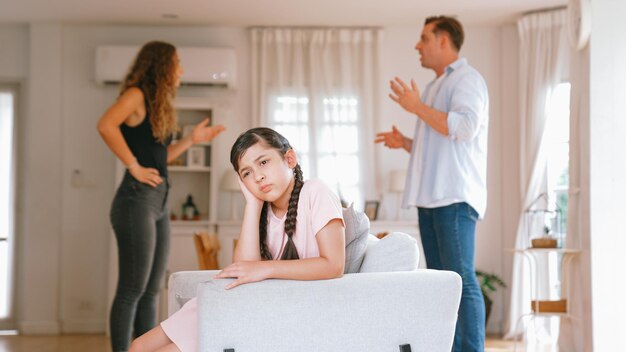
202,66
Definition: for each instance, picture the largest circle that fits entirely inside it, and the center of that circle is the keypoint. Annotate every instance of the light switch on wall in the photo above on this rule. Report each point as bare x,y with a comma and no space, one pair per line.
79,180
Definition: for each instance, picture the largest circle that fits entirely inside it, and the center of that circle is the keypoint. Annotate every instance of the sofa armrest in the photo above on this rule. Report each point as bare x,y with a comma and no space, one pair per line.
183,285
358,312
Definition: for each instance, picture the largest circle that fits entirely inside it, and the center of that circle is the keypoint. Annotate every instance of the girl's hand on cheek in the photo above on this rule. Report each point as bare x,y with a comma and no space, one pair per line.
244,272
251,199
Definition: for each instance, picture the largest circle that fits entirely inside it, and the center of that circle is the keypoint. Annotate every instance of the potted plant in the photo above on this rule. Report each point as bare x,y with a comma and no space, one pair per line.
489,283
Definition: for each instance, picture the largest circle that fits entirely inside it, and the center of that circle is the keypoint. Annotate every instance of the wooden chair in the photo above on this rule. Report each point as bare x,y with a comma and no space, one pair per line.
207,248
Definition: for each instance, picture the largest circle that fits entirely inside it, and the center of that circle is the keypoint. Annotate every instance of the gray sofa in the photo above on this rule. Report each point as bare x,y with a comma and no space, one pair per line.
388,306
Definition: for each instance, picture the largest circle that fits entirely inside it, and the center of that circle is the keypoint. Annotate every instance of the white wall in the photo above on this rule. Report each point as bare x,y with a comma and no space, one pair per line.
510,186
607,173
40,154
64,230
13,51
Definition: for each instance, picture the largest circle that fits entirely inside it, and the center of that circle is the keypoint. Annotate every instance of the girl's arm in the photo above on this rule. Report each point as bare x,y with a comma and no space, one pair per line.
201,133
329,265
248,248
129,104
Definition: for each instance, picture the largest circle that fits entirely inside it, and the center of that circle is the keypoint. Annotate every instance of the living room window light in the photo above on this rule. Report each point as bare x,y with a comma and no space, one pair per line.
319,87
328,147
7,104
557,138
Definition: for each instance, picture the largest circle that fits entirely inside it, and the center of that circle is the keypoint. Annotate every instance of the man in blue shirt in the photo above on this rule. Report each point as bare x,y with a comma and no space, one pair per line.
446,179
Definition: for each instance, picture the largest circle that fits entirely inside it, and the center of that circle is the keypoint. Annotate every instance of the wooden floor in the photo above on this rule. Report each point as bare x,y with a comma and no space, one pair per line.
100,343
62,343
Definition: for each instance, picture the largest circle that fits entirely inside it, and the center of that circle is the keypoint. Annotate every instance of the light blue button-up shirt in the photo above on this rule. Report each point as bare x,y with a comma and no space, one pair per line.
450,169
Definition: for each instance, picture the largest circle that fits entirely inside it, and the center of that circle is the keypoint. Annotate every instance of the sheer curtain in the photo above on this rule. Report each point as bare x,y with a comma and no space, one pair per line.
319,86
543,53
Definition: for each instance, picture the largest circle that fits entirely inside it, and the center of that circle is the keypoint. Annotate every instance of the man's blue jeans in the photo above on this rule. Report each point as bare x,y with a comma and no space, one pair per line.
447,235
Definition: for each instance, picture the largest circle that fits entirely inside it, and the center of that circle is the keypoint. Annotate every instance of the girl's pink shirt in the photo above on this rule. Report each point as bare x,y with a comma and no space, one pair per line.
317,206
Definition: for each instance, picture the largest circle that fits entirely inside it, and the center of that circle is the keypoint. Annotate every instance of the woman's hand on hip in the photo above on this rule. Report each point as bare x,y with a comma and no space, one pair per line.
245,272
145,175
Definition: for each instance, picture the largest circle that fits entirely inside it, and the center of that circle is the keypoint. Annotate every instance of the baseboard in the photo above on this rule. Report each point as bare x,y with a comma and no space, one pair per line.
78,326
39,327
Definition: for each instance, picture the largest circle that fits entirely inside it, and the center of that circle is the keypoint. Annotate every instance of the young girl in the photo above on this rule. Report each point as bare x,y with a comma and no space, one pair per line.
291,230
138,129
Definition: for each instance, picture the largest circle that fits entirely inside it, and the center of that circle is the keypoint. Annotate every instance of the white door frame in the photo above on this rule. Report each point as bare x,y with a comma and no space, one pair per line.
9,322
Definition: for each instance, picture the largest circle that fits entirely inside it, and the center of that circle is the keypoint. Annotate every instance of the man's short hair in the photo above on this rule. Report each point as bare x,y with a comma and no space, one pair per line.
451,26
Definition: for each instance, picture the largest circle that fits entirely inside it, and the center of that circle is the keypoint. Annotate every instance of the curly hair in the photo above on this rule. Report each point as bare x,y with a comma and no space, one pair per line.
274,140
153,73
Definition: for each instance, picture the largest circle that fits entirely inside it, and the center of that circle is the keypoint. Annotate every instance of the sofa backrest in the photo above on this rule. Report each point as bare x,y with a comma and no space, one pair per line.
358,312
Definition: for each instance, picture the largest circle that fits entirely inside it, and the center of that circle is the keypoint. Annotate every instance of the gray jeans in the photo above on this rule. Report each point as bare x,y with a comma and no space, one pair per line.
140,220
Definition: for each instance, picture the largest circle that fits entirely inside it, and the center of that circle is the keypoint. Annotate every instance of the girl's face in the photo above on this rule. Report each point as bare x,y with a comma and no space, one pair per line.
266,173
178,70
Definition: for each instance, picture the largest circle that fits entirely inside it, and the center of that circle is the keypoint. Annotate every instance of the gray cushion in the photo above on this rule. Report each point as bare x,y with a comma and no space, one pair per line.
395,252
357,229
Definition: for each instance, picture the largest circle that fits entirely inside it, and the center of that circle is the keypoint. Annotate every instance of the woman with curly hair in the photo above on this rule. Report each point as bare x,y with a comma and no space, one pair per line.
138,128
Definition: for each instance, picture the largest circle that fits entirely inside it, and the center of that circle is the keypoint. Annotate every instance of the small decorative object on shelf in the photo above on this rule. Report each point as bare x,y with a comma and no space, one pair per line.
195,157
173,216
543,224
189,210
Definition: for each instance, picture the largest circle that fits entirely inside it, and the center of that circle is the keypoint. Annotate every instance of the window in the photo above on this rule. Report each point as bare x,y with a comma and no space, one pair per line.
557,148
327,147
556,139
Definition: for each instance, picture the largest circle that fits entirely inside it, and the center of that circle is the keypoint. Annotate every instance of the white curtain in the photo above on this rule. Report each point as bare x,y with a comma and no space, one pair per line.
543,53
320,63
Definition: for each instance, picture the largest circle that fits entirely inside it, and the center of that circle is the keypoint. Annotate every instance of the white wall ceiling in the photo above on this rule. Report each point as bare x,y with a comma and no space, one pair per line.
267,12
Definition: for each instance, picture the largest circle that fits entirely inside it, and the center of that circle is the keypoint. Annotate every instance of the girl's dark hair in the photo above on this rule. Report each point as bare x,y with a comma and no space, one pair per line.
153,73
273,139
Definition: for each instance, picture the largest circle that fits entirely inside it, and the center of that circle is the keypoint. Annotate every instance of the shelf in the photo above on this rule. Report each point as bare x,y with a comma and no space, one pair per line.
191,223
200,144
189,169
544,250
549,306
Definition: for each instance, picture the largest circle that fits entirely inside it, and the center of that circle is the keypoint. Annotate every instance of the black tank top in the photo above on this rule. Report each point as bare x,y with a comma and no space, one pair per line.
147,149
